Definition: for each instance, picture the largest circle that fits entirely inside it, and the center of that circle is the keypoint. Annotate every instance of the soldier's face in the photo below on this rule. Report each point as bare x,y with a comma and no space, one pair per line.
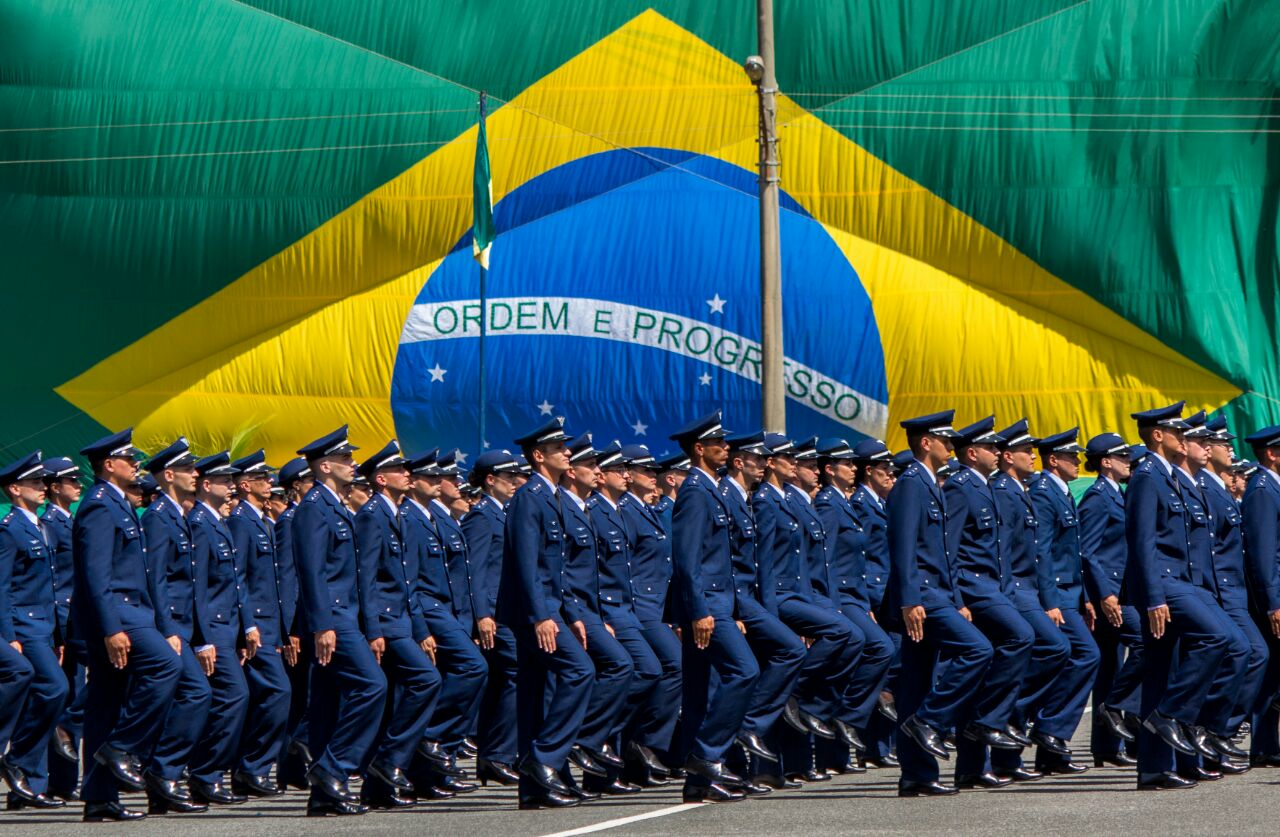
1220,454
880,477
501,486
807,474
449,489
1021,460
985,458
66,490
341,468
555,455
1170,441
358,495
617,480
183,478
425,488
1197,452
31,493
304,485
784,466
124,468
395,477
715,452
644,480
1119,467
257,486
218,488
587,475
1067,463
752,467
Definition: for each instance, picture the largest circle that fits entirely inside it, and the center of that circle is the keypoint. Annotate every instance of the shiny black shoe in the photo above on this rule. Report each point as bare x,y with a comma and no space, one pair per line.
543,775
1171,732
776,782
390,775
1265,761
883,761
330,787
1199,738
926,789
440,760
1051,743
1225,747
583,794
322,805
640,753
713,771
467,749
1017,735
257,786
215,793
165,790
1166,781
751,742
122,767
855,767
994,738
1232,768
1022,774
885,706
1201,774
497,772
1115,760
1114,721
302,752
40,801
810,776
19,787
817,726
712,793
1062,768
791,714
457,786
750,788
64,745
548,800
929,739
607,755
579,756
434,794
848,735
388,798
66,796
617,787
982,780
110,811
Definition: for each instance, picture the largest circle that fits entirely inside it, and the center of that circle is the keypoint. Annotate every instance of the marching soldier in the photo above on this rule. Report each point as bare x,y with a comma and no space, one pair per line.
1260,511
296,480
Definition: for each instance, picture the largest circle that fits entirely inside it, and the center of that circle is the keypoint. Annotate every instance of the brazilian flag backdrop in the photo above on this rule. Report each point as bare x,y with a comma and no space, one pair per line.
248,221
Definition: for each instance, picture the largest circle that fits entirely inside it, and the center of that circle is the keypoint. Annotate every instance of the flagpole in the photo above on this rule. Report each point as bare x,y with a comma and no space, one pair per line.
484,316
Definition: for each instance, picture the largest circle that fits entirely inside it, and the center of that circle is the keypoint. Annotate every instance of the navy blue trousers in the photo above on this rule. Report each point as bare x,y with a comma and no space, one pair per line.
413,686
553,690
496,730
614,676
1118,683
831,658
29,747
714,709
64,776
644,664
994,705
654,723
348,697
217,748
270,694
185,718
463,672
1050,651
872,671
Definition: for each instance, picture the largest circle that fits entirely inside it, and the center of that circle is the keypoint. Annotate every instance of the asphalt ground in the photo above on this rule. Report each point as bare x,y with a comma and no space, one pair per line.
1101,802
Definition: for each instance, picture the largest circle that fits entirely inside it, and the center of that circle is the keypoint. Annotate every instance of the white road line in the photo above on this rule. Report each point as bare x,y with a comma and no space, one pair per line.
601,826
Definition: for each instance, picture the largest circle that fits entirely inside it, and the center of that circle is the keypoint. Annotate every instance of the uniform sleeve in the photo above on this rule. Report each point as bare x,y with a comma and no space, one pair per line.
160,549
1046,515
478,532
766,518
245,547
524,536
310,537
905,509
93,545
690,530
1260,535
240,566
8,552
1092,515
370,544
957,515
205,561
1143,572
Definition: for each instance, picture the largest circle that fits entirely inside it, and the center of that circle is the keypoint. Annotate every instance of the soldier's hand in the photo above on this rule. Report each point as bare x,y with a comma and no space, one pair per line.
252,642
326,644
118,646
546,631
378,646
1112,610
1275,622
487,630
580,631
1090,616
742,626
872,614
702,630
17,646
964,611
175,642
913,618
609,628
1159,617
208,659
291,649
1055,616
429,647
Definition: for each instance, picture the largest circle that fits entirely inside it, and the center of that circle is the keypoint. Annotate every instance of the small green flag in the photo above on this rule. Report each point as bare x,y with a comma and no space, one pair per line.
482,231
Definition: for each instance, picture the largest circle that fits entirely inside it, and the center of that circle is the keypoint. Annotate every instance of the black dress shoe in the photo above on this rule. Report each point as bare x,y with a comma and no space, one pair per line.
929,739
497,772
817,726
259,786
1231,768
544,776
1166,781
848,735
1171,732
215,793
387,798
1051,743
103,811
322,784
1265,761
122,767
713,771
579,756
617,787
854,768
1062,768
751,742
994,738
1022,774
712,793
165,790
467,752
886,707
1114,721
777,782
454,785
639,752
1201,774
982,780
810,776
66,796
548,800
440,760
1017,735
434,794
322,805
583,794
19,787
949,741
791,714
390,775
889,760
607,755
750,788
40,800
1226,747
302,752
64,745
926,789
1199,738
1115,760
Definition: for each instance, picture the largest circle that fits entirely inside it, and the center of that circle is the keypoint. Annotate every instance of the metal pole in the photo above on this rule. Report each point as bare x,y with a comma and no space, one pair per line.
484,316
774,407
